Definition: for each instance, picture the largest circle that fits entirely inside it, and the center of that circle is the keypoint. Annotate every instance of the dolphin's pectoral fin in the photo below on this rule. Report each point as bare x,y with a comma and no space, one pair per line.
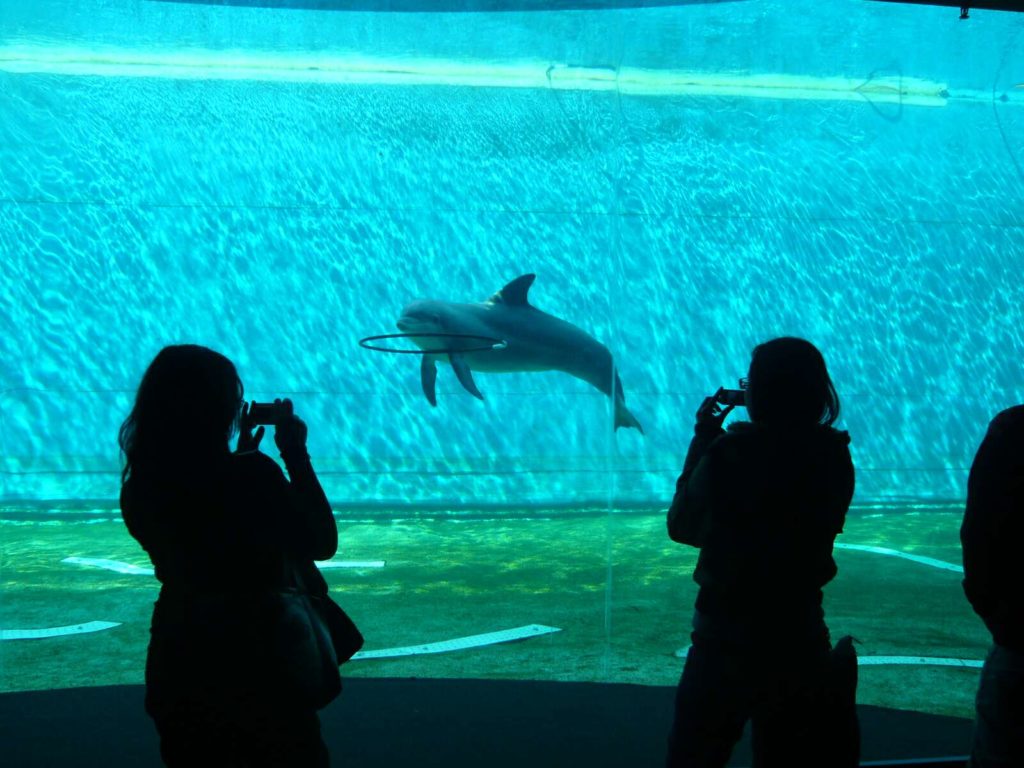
515,293
428,378
463,373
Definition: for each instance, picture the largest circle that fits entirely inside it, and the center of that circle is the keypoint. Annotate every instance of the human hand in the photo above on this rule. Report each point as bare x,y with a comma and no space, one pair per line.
711,414
290,431
247,439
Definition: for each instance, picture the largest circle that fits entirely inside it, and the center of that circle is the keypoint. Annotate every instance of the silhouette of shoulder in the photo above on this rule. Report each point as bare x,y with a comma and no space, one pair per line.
744,437
255,459
256,465
1010,420
815,459
999,462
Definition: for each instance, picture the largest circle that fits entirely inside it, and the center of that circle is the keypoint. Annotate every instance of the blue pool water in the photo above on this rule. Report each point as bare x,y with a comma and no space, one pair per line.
684,181
280,221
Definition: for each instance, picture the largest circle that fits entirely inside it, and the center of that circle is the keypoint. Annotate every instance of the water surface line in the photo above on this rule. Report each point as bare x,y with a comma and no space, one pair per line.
353,69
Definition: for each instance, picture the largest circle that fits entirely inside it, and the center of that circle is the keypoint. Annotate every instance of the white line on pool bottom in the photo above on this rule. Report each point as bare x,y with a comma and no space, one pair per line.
877,661
443,646
110,565
350,564
74,629
936,661
118,566
461,643
942,564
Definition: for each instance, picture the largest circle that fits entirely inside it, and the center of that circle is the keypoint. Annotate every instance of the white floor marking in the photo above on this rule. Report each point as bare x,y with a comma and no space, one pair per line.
118,566
74,629
935,661
460,643
110,565
350,564
873,661
942,564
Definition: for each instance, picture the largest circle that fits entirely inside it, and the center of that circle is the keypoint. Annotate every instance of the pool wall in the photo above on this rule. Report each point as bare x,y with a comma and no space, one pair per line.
685,182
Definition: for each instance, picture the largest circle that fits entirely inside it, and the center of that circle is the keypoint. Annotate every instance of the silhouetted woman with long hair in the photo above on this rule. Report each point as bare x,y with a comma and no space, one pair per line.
763,502
221,528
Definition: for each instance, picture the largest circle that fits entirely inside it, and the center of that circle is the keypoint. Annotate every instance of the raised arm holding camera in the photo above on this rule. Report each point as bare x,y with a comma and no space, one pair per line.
227,532
308,497
763,501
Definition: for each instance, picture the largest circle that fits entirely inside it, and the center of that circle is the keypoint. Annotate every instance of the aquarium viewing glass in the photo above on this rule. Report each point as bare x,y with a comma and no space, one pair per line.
685,180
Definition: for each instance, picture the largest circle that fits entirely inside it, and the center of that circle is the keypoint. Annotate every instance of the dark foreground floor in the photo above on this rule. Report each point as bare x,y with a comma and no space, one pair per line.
388,723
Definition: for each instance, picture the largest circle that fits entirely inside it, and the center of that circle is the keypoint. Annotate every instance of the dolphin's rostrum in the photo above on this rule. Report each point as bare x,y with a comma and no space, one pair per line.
535,341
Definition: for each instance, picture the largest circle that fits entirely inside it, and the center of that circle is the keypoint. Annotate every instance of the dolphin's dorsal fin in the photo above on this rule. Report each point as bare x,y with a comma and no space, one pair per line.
515,293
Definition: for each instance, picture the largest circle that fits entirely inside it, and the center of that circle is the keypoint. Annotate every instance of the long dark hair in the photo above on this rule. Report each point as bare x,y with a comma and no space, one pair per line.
186,410
790,385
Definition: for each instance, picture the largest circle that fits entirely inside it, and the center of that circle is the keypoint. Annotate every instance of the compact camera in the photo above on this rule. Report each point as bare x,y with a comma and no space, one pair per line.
266,413
731,397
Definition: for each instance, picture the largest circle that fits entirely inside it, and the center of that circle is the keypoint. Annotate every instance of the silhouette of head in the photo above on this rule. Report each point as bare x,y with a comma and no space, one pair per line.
789,385
187,406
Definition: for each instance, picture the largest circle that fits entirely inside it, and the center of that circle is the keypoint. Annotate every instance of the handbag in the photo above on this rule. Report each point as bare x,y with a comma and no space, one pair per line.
345,636
312,636
841,704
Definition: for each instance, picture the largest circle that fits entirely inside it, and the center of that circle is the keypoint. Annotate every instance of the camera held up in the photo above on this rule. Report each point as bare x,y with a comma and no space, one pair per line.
733,397
267,413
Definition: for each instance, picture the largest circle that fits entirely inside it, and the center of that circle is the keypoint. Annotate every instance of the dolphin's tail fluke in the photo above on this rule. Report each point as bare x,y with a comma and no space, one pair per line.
623,418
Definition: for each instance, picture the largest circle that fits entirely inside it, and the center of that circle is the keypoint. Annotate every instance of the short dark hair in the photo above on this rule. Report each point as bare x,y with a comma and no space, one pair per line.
789,384
188,403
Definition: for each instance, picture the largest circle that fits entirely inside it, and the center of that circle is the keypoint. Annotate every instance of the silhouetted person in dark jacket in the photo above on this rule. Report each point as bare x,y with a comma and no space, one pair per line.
220,528
763,501
992,536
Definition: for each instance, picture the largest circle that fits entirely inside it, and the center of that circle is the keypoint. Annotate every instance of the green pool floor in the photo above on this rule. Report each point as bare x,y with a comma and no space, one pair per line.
620,592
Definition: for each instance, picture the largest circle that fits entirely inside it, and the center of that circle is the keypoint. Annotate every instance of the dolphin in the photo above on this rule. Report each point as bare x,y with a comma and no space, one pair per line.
533,341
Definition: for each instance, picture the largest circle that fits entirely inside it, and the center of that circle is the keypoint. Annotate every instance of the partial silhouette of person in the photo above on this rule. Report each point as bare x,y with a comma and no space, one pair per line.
992,535
764,501
221,528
